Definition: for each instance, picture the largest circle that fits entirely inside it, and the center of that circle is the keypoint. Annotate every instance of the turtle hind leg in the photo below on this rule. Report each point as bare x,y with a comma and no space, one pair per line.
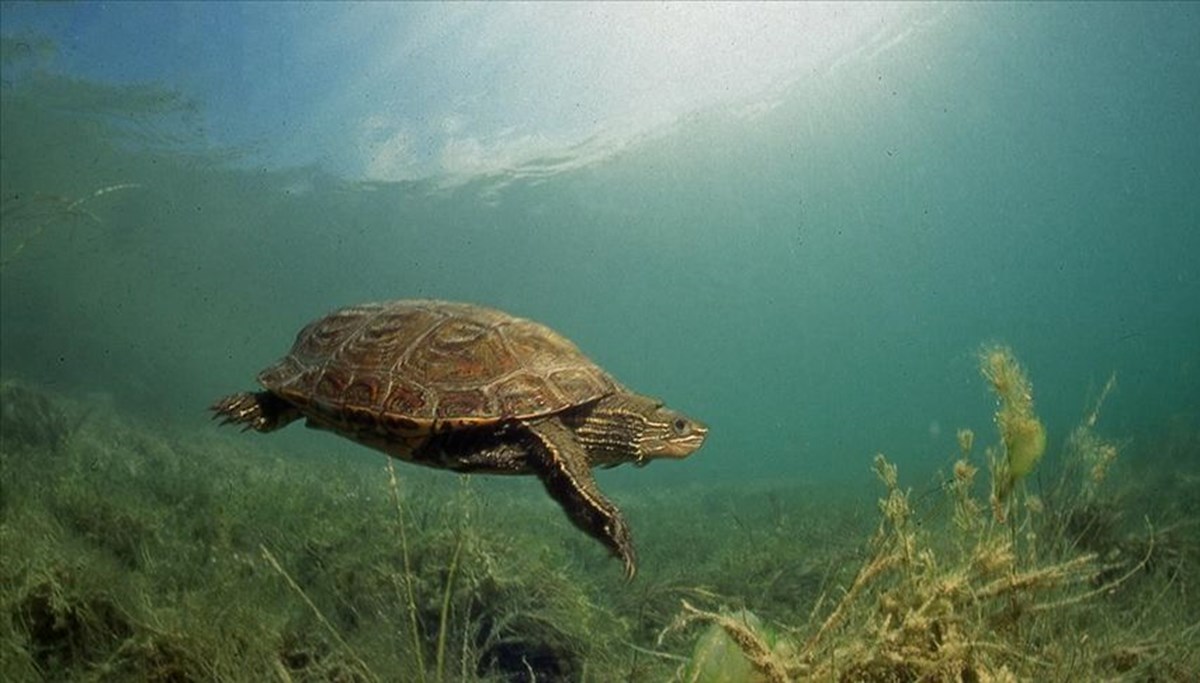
258,410
562,465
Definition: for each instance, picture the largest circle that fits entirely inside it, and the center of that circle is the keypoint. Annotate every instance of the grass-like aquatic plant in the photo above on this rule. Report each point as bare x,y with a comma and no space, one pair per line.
143,554
132,554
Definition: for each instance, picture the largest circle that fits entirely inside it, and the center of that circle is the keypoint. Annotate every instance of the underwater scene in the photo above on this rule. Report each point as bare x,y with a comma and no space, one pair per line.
604,342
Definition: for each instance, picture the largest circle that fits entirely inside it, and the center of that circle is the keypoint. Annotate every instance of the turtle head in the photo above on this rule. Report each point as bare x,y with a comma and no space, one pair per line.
669,433
632,428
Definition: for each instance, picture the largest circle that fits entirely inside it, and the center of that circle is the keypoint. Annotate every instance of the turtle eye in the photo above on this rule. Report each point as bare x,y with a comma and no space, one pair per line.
680,426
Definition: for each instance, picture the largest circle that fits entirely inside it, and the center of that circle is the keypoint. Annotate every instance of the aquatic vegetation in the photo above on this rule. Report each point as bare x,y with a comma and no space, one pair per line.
730,650
144,553
972,596
1021,432
30,420
162,556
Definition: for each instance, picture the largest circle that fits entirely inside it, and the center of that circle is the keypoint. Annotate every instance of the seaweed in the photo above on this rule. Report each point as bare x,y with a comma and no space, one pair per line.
29,420
988,592
140,553
146,552
1022,436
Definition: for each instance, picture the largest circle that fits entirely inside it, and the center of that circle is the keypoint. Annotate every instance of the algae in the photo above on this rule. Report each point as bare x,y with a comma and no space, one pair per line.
145,552
973,596
1021,432
141,554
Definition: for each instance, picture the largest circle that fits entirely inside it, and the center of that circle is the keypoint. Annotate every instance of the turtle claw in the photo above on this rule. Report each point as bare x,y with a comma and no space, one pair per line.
261,411
629,559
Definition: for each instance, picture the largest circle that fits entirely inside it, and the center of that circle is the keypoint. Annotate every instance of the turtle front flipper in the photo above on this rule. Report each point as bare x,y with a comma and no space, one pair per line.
562,465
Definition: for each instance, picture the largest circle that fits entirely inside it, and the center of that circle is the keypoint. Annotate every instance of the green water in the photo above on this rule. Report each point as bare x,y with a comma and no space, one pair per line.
811,271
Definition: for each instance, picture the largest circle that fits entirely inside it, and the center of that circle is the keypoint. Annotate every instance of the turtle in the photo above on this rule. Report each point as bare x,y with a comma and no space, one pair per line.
471,389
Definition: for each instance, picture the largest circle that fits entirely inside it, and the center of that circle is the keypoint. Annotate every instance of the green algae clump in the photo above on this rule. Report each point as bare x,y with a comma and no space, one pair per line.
1021,431
735,648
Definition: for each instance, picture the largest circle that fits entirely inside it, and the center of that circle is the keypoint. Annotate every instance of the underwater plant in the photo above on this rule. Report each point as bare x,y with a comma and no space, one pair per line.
30,420
729,650
135,554
1021,432
965,597
139,553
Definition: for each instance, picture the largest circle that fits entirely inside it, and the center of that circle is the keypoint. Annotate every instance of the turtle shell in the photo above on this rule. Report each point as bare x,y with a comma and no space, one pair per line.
415,367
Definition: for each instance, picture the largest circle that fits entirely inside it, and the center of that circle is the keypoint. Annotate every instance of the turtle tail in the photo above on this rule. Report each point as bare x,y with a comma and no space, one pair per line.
261,411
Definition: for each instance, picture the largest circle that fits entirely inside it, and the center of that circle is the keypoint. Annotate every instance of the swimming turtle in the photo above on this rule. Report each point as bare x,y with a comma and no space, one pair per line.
470,389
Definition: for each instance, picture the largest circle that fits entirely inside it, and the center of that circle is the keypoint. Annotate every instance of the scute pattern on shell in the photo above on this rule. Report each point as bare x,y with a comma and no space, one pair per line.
409,366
